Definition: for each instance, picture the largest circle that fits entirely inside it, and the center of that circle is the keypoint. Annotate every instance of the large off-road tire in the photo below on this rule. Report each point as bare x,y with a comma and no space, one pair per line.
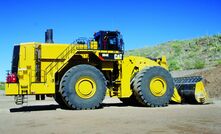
83,87
58,98
153,86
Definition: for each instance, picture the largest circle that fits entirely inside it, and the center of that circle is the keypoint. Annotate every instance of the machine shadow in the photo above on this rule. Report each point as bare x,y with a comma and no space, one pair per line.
118,105
55,107
114,105
35,108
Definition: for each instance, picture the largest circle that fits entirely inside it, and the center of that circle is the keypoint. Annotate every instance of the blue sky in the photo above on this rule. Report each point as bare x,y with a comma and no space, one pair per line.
142,22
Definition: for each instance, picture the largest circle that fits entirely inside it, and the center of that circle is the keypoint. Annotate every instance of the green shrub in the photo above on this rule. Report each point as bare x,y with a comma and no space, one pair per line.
199,64
187,64
219,62
218,48
177,49
173,65
2,87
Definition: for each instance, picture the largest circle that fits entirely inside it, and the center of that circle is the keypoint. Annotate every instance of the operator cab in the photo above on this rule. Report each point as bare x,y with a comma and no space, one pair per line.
109,40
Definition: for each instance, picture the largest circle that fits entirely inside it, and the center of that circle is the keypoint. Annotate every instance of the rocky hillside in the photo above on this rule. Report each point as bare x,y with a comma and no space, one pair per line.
186,54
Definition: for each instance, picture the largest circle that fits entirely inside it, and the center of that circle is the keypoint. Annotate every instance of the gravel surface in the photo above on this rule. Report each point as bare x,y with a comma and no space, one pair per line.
2,92
45,117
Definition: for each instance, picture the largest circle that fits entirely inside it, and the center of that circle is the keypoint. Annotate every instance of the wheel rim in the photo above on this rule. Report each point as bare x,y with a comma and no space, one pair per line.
158,86
85,88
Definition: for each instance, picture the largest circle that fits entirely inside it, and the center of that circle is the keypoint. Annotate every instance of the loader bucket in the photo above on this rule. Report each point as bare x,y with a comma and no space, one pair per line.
191,89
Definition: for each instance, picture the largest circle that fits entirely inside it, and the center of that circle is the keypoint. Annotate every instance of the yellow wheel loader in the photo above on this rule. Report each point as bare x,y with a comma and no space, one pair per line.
80,74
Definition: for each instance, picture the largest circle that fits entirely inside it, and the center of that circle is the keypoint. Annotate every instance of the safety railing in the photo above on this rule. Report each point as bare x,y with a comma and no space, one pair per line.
64,55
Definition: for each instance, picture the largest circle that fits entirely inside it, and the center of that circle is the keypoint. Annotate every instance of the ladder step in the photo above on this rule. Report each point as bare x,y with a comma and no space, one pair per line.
20,99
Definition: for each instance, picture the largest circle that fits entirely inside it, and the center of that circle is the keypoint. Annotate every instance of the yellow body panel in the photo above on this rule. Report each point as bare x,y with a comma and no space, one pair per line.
52,51
42,88
27,68
26,62
11,89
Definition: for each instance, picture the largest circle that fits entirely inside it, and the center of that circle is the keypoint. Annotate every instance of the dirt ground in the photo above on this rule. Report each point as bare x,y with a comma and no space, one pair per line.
212,81
45,117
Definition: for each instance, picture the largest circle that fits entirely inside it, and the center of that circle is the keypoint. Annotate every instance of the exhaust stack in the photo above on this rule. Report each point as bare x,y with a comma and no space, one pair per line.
49,36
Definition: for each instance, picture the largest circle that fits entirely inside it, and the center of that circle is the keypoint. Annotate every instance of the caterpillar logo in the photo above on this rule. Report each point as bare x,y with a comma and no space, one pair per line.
118,56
